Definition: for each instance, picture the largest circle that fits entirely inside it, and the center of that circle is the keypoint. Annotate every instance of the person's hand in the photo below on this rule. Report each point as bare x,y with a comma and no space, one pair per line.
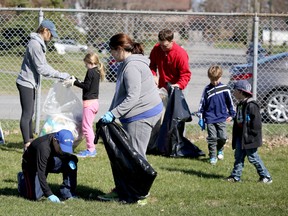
156,80
201,123
229,119
72,165
175,85
53,198
107,117
69,82
64,76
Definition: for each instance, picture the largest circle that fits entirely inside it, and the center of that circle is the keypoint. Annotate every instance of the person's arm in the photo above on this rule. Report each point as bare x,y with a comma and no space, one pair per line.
132,80
202,102
200,114
184,70
253,117
153,61
90,79
230,105
42,156
39,62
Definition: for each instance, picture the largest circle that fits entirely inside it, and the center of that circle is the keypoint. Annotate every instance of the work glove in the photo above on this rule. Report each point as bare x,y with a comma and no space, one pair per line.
53,198
107,117
201,123
69,82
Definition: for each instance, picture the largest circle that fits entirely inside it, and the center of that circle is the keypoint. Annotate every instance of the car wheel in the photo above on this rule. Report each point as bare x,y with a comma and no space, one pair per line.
277,107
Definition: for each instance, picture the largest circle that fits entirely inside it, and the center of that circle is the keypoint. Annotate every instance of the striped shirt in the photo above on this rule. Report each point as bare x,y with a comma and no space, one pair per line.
216,103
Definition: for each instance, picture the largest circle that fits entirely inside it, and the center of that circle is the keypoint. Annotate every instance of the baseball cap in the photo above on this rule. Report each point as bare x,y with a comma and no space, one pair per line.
243,85
65,139
50,25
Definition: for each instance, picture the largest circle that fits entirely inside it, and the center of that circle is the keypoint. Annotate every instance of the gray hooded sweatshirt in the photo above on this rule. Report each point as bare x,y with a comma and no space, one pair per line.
136,91
34,64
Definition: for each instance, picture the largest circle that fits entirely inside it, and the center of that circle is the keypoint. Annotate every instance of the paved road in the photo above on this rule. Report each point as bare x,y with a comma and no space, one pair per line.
10,105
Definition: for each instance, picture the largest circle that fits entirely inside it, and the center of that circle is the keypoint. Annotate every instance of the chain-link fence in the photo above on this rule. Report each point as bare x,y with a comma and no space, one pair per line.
228,40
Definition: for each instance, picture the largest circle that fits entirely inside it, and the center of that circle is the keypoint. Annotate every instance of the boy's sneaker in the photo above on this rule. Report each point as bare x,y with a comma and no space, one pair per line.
144,197
87,153
2,140
213,161
112,196
142,202
220,155
265,180
233,179
20,179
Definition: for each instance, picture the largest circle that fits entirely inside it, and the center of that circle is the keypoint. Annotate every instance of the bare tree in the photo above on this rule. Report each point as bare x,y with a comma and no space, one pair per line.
265,6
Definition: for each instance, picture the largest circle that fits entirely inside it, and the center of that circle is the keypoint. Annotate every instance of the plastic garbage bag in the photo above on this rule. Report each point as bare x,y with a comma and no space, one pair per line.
63,110
171,141
133,175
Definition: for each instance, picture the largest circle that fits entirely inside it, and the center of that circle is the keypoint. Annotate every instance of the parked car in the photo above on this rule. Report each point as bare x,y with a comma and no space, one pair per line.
69,45
272,85
103,47
262,52
111,68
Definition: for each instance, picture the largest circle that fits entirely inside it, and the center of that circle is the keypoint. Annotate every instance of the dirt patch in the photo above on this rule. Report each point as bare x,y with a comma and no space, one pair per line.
270,142
278,141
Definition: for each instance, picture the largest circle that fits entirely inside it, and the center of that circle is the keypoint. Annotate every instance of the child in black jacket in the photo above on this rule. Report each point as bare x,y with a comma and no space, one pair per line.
247,134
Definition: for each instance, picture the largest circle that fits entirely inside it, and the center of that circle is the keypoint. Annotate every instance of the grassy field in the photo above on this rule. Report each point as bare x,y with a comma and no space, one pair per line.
182,187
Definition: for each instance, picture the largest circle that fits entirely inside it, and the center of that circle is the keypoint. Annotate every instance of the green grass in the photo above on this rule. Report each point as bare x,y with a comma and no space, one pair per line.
182,187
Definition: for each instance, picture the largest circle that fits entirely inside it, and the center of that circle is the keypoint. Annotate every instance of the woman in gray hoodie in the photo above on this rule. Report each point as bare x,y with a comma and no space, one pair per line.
136,102
34,64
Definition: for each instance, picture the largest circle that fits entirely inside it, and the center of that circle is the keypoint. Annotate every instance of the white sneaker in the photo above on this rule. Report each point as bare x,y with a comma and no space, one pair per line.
220,155
2,140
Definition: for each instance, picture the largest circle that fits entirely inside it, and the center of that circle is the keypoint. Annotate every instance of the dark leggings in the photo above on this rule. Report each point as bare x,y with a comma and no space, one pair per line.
27,100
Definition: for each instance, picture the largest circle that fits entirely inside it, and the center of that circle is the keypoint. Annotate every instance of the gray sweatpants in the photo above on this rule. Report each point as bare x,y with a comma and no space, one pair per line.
140,132
217,136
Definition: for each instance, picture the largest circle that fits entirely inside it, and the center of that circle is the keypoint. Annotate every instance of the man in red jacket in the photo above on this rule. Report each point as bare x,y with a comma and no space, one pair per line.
171,60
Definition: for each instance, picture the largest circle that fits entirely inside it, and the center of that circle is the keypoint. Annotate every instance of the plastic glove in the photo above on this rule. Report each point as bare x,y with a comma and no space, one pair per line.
69,82
53,198
107,117
72,165
201,123
64,76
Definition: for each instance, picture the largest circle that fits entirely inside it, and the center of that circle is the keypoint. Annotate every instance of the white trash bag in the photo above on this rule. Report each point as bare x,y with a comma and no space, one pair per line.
63,110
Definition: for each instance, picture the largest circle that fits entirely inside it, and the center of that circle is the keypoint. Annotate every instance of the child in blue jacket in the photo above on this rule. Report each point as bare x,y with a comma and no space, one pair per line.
215,109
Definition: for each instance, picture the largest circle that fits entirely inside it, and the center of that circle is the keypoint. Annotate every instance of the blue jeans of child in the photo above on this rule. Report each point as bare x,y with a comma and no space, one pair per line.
253,158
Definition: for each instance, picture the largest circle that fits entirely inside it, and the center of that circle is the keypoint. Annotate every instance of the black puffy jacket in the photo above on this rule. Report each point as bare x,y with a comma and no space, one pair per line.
251,129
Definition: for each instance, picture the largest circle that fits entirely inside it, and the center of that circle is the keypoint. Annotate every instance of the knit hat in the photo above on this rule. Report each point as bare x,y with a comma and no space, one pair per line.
65,139
243,85
50,25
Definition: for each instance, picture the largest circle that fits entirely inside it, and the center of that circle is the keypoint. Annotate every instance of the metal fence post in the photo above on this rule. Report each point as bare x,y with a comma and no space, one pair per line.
255,55
38,91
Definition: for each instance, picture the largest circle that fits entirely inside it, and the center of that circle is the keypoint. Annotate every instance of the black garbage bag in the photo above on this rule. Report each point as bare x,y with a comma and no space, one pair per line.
133,175
171,141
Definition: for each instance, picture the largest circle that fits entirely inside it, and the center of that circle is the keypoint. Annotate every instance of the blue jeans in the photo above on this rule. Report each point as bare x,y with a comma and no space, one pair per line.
253,158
